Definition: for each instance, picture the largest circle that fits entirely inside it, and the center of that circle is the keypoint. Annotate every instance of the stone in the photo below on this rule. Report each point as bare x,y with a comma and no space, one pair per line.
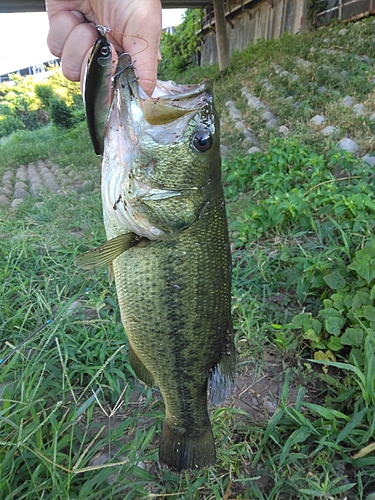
347,101
4,200
16,202
20,193
6,191
35,189
235,114
329,130
267,115
303,62
21,173
20,185
283,130
359,109
255,103
254,149
271,123
372,117
368,159
322,89
317,120
240,126
326,40
344,73
342,32
348,145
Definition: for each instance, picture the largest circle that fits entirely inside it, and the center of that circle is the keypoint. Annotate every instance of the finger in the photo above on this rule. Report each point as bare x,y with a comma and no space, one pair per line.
61,25
79,42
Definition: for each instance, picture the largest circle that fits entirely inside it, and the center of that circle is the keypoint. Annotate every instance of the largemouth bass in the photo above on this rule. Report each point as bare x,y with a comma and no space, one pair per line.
164,216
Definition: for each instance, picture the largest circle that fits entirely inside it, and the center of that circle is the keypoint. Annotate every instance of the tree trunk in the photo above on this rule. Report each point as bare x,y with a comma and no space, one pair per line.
221,34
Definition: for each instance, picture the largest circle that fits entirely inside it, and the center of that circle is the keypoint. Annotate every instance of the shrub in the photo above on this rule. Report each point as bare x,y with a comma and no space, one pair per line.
60,114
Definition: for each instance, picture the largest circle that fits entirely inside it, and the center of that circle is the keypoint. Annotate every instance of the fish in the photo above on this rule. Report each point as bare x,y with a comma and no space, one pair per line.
168,248
97,94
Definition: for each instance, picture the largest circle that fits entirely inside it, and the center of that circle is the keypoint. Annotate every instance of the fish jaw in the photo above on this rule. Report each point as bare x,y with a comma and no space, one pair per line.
141,192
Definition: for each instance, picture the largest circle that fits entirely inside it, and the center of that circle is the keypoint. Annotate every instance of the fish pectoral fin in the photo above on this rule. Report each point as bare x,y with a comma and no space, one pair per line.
107,252
160,194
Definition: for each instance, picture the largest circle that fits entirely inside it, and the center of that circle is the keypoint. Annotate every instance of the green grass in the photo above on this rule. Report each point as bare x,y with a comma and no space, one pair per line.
301,219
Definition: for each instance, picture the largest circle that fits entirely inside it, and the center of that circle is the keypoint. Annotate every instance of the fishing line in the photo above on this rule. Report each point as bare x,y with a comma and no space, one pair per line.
48,322
104,31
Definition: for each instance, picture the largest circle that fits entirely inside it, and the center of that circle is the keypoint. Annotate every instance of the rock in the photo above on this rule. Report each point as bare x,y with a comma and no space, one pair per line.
267,86
283,130
322,89
348,145
297,105
372,117
16,202
370,160
271,123
21,173
359,109
255,103
317,120
344,73
235,114
303,62
20,185
267,115
35,189
6,191
347,101
20,193
329,130
254,149
4,200
342,32
240,126
326,40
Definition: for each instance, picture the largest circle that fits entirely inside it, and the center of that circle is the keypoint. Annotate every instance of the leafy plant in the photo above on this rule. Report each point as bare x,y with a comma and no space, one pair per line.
182,48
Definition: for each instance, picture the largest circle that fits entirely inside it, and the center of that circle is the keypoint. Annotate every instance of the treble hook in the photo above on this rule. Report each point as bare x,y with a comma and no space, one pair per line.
125,62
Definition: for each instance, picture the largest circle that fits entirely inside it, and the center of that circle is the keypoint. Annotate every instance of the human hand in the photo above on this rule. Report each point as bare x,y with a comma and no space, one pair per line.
71,36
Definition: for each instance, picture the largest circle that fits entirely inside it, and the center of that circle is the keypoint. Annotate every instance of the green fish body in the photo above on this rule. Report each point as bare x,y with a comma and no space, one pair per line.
161,189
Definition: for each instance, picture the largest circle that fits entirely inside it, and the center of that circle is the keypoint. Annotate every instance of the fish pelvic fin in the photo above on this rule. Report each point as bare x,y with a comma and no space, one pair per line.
180,451
222,376
107,252
139,368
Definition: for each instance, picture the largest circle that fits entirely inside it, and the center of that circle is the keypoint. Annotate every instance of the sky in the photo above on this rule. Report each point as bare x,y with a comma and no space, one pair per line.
23,38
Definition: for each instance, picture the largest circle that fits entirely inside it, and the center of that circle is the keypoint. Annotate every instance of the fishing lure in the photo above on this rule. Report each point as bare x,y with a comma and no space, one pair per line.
98,85
97,89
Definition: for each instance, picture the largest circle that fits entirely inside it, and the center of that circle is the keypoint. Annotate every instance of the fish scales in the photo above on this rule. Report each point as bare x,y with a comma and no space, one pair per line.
161,182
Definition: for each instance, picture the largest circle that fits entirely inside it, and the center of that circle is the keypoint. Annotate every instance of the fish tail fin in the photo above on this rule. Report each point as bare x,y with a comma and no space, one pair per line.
181,451
222,376
139,368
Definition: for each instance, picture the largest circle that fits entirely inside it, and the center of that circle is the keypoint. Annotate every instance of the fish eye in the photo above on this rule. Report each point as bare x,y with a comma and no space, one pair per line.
202,140
104,51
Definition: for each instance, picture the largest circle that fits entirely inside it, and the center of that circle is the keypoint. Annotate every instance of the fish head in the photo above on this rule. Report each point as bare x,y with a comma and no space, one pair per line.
162,156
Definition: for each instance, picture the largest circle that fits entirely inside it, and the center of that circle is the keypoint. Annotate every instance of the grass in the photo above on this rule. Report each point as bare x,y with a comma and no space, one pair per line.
74,422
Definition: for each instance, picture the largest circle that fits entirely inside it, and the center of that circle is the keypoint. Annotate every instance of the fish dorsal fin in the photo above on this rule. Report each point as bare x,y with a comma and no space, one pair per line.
158,113
107,252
